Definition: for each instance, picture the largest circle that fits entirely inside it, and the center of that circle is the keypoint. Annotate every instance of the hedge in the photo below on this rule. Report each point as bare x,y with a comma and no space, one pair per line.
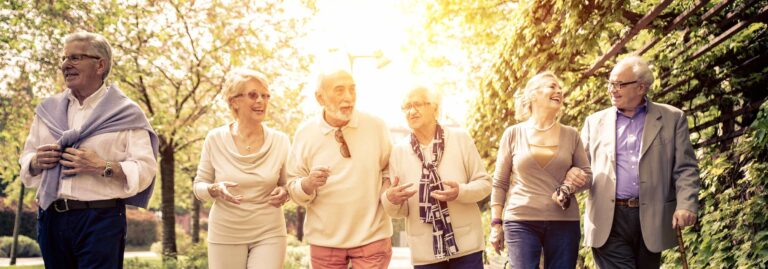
142,228
28,222
27,247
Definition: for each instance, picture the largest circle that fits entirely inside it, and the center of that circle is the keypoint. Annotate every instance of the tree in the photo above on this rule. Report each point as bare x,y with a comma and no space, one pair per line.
175,67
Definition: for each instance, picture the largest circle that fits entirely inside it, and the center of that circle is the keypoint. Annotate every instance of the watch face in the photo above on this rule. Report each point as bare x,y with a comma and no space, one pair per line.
108,170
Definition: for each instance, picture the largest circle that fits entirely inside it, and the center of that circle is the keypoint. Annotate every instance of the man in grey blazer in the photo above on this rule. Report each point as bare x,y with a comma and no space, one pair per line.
646,177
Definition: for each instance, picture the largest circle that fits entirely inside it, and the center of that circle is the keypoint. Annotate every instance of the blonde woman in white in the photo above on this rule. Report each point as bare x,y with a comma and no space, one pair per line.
242,168
437,180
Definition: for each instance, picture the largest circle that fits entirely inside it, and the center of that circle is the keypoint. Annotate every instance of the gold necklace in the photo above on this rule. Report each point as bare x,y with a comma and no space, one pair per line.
543,129
248,146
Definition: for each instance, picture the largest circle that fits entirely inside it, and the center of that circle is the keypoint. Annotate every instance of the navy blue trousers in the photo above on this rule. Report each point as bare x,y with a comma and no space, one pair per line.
471,261
83,238
558,240
625,247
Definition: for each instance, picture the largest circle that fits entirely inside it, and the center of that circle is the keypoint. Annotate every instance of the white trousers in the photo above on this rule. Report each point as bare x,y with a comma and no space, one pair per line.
268,253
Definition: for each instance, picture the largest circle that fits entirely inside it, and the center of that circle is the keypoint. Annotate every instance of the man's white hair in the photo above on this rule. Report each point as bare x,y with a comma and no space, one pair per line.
97,46
640,68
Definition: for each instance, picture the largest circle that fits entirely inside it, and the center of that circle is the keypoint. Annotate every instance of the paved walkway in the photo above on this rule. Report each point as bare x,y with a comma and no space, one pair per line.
39,261
401,258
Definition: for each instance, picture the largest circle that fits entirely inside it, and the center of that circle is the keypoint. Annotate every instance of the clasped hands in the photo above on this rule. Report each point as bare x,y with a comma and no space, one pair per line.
223,190
75,161
399,194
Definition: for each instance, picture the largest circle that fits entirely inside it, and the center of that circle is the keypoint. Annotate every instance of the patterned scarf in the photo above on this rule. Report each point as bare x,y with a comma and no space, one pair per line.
432,210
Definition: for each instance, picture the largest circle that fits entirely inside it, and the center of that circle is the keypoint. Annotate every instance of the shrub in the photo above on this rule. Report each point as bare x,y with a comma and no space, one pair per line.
28,222
142,227
296,255
27,247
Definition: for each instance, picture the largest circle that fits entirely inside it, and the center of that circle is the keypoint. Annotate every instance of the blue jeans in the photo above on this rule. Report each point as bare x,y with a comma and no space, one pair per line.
559,240
471,261
83,238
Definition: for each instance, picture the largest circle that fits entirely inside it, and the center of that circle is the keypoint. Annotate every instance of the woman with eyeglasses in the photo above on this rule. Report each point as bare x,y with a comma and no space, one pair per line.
539,166
242,168
437,180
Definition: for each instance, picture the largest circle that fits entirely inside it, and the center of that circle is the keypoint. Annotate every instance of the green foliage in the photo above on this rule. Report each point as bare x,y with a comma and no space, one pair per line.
27,247
297,254
142,228
734,210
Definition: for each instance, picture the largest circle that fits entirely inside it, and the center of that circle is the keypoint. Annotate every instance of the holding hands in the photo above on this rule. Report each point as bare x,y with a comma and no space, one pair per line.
278,196
575,177
317,177
220,190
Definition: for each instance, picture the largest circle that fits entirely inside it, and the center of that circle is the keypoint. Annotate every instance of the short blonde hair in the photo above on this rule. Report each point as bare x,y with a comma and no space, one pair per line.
235,81
523,97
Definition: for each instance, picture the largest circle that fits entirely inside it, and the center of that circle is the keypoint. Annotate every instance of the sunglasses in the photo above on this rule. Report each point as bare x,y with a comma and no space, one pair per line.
344,148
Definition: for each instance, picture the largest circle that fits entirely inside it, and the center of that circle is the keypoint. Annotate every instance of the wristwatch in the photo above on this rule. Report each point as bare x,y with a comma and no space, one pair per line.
107,170
496,221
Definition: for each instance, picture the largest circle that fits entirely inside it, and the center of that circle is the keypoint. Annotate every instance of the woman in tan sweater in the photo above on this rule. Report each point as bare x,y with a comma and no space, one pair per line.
530,183
438,178
242,168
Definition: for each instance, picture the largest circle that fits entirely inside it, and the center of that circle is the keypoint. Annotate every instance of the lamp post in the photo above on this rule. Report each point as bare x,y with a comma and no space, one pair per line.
378,55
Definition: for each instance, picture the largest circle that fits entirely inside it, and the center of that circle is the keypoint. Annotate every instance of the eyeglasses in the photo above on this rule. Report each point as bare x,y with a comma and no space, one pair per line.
416,105
344,148
77,58
619,84
254,96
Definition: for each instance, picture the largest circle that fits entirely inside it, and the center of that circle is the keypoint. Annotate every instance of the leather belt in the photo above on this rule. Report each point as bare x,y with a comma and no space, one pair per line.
64,205
631,202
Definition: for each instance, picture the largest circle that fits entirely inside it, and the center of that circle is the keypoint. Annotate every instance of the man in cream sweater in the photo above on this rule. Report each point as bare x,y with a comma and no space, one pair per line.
336,170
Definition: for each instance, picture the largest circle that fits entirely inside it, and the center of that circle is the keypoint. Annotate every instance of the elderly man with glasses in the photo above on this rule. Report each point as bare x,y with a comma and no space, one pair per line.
337,169
646,177
90,152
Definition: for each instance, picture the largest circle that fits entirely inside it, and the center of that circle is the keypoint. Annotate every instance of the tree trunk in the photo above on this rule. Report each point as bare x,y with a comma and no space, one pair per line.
16,224
167,164
195,219
300,223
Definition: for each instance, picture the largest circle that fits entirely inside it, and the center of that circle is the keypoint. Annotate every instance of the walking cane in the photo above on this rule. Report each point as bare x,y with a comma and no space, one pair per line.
681,247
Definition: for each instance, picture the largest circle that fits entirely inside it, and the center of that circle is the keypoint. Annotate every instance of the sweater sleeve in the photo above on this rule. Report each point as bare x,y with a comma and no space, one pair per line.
205,172
478,184
501,177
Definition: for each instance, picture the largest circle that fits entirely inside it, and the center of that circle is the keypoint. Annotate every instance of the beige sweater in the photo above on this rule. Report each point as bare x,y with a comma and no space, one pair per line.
257,175
346,211
460,163
525,187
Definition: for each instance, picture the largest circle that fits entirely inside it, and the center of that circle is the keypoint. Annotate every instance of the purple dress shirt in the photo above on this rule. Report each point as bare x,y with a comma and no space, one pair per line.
629,136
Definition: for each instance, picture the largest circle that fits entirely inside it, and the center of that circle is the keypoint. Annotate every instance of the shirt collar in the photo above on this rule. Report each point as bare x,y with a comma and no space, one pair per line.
327,128
91,100
642,108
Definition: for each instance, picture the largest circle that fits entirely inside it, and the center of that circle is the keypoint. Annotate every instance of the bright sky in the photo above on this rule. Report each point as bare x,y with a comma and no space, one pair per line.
361,28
